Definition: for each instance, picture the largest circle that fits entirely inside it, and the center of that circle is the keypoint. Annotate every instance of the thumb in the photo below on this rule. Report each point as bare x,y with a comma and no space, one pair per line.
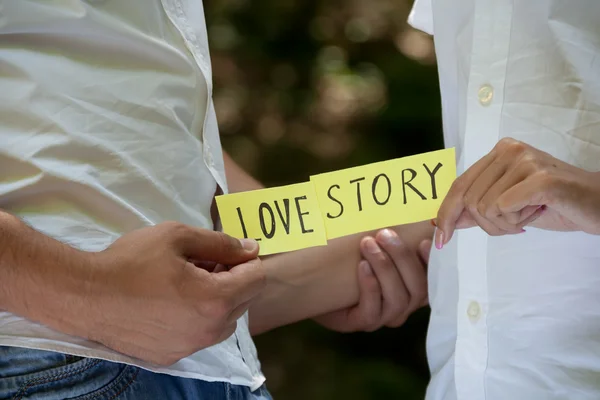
243,282
206,245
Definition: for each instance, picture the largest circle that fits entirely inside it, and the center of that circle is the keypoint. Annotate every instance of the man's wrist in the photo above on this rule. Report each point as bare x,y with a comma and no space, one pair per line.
62,294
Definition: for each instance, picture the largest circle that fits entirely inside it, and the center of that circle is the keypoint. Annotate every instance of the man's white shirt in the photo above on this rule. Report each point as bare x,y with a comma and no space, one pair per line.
107,125
516,317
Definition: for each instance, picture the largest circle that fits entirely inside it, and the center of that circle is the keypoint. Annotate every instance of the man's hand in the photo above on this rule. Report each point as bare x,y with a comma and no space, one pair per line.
392,281
145,298
516,185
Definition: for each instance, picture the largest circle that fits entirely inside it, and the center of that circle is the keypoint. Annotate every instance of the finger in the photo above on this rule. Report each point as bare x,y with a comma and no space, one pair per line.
502,173
395,295
453,204
485,224
206,245
488,206
479,189
241,283
481,184
367,315
465,221
529,192
425,250
516,218
529,220
408,265
527,214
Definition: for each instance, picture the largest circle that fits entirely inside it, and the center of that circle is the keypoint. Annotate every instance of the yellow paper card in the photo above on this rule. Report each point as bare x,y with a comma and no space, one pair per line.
387,193
281,219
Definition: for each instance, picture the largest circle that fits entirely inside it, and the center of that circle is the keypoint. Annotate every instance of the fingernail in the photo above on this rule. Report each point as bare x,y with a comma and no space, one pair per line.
390,237
439,240
523,230
366,269
372,246
249,244
433,222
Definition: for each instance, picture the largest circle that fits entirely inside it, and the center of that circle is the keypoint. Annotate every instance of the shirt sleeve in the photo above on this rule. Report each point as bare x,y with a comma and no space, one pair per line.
421,16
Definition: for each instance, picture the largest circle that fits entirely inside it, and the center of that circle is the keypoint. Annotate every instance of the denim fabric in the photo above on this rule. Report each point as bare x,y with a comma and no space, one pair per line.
43,375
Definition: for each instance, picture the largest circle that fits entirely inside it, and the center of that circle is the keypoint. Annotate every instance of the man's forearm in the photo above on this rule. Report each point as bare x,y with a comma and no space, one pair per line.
38,275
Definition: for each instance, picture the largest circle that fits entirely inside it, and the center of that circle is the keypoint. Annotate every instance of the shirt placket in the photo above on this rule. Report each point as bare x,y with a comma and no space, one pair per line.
175,11
491,38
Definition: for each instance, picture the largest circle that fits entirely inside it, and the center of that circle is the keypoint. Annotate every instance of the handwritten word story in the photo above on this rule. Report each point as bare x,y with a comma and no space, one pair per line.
340,203
387,193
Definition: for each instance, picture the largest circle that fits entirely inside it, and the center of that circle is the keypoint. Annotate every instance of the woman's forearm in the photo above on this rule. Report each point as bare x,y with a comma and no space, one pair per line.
311,282
314,281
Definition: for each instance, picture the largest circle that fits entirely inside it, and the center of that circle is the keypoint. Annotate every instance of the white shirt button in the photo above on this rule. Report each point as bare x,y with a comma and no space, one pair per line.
485,94
474,311
208,155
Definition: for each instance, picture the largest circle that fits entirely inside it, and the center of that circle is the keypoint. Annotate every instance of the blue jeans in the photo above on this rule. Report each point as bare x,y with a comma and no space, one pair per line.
43,375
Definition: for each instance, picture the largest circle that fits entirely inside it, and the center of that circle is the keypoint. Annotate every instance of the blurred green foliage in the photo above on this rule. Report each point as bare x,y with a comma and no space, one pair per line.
307,86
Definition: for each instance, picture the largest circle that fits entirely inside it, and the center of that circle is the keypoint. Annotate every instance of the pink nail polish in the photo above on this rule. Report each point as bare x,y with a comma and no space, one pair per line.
439,242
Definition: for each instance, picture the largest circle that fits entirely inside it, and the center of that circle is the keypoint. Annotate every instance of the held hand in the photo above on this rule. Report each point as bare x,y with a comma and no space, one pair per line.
392,281
516,185
147,300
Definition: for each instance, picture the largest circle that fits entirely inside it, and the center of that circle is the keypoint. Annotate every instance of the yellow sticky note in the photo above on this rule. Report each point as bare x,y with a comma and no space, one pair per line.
281,219
387,193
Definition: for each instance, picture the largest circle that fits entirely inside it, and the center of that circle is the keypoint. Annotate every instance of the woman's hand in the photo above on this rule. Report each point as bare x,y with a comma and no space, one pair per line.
517,185
393,284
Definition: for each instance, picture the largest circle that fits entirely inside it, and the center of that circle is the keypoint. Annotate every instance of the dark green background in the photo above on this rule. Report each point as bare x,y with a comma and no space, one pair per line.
307,86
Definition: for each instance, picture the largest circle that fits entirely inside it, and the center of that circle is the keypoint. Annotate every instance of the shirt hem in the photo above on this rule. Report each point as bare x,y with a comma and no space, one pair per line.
255,383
